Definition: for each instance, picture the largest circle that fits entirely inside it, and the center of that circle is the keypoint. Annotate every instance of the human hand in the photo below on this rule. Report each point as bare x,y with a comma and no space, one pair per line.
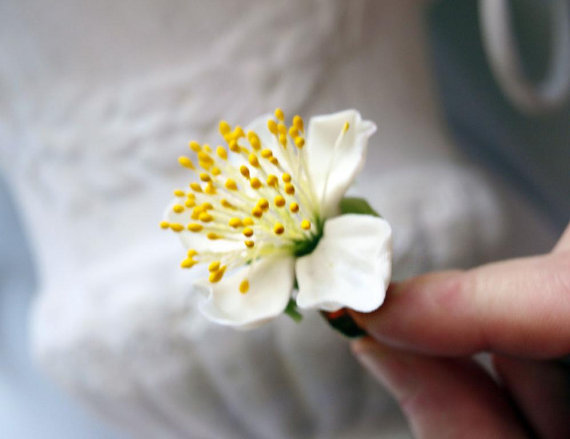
421,339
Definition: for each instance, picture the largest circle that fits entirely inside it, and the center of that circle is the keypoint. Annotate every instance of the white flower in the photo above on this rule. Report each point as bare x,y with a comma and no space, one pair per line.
266,213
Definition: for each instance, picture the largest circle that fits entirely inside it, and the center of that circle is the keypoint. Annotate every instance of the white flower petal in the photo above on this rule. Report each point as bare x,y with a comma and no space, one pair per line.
350,267
196,241
332,170
270,285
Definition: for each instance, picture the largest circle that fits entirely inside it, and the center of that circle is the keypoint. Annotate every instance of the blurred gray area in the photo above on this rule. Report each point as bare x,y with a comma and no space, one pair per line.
532,154
30,406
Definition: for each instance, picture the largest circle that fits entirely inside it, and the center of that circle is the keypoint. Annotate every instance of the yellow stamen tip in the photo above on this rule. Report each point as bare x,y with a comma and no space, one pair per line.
253,161
164,224
278,229
195,227
235,222
206,217
272,126
195,146
298,123
274,161
279,201
289,189
176,227
196,187
178,208
272,180
216,276
255,183
254,140
248,231
188,263
345,127
244,286
279,114
224,127
257,212
294,207
179,193
263,204
231,184
214,266
299,142
266,153
244,170
210,189
215,170
222,153
213,236
204,177
249,243
305,224
286,178
283,140
186,162
247,221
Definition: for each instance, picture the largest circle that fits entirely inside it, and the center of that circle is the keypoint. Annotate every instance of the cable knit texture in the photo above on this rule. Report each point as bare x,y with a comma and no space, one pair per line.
98,100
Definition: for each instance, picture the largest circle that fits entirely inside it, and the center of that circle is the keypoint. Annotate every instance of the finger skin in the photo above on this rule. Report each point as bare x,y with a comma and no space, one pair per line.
519,307
542,391
442,398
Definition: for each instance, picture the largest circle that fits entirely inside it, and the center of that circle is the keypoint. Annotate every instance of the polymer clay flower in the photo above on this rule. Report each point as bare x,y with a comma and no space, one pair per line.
266,216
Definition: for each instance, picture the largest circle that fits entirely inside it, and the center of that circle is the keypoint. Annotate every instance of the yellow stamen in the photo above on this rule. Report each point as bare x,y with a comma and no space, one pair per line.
164,224
186,162
227,204
206,217
210,189
274,161
196,187
254,140
213,236
191,253
249,243
178,208
195,146
278,229
272,180
255,183
179,193
279,201
248,231
214,266
222,153
225,128
188,263
244,170
298,123
279,114
205,177
190,202
244,286
234,147
195,227
235,222
299,142
286,178
247,221
289,189
257,212
345,127
253,161
266,153
272,126
305,224
294,207
215,170
263,204
231,184
176,227
216,276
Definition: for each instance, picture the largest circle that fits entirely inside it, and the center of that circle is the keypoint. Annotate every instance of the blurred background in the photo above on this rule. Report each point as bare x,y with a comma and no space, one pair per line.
531,153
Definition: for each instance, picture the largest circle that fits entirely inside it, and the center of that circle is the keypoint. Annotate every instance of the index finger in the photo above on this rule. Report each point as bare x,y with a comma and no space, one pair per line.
516,307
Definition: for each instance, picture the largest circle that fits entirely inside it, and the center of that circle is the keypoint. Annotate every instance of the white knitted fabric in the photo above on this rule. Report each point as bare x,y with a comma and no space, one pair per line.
98,98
